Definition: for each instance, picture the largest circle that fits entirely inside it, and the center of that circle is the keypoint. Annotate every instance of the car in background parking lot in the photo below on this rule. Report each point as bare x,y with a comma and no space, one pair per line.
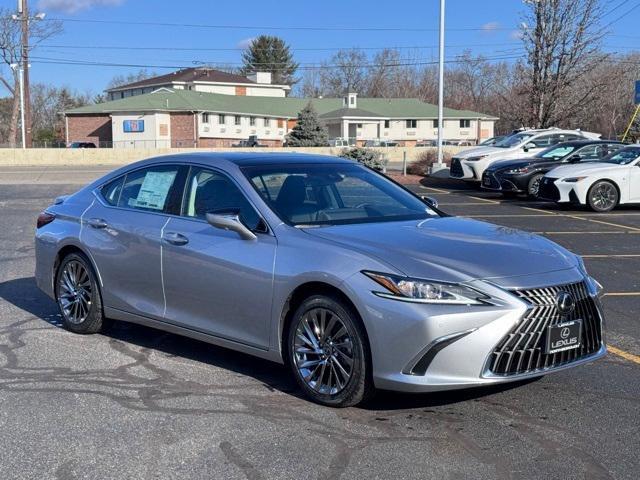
601,185
523,175
469,165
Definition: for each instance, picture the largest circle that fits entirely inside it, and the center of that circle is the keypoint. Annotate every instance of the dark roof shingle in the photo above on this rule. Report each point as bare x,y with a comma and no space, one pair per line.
187,75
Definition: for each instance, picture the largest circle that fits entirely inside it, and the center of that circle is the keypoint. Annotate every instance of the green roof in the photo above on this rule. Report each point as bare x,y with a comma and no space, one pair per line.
170,100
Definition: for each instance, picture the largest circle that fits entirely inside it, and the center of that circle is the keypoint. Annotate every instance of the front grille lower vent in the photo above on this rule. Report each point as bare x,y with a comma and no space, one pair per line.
522,349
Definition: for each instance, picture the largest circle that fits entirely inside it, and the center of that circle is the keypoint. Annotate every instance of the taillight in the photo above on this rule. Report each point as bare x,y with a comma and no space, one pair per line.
45,218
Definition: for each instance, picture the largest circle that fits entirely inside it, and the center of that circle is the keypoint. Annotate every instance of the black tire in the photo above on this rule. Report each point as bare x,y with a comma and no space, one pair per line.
603,196
533,187
93,320
359,385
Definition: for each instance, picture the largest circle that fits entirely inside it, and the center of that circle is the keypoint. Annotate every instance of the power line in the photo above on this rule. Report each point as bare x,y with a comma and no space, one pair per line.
617,19
266,27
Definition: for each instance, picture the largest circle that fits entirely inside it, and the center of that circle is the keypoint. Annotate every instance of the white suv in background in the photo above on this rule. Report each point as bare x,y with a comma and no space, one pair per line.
469,164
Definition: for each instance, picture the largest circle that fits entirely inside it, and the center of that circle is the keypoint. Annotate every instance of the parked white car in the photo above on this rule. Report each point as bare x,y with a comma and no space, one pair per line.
601,185
469,164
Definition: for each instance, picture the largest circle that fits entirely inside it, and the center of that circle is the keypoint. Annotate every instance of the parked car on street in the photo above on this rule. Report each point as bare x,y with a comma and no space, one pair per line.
251,142
469,165
82,145
602,185
427,143
322,264
523,175
380,143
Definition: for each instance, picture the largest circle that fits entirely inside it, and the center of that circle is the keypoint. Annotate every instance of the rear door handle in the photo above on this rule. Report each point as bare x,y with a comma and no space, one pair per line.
175,238
97,223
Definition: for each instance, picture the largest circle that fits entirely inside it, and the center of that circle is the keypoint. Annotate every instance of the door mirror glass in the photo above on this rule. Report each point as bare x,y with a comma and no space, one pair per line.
430,201
529,146
229,219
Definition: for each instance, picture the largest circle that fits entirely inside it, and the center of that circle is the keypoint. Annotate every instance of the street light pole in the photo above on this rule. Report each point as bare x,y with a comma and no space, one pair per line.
18,68
26,97
441,86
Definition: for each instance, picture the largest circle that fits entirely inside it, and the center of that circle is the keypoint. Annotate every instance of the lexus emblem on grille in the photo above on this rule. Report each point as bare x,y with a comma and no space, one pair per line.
565,332
565,302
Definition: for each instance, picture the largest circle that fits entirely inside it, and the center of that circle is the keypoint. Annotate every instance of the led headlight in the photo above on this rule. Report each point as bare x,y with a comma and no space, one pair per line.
518,170
594,286
474,159
426,291
573,179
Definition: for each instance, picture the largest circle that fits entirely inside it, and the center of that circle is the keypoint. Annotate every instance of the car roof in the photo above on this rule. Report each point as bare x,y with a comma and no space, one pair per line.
244,159
586,141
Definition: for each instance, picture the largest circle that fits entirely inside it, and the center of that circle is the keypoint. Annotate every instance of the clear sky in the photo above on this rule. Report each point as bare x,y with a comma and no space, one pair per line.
487,27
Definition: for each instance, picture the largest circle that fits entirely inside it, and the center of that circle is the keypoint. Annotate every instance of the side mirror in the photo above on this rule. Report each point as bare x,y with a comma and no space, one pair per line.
230,220
529,146
430,201
574,158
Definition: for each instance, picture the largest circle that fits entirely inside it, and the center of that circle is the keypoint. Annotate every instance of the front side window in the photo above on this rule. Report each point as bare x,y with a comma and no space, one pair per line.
212,192
327,194
149,189
592,152
111,191
514,140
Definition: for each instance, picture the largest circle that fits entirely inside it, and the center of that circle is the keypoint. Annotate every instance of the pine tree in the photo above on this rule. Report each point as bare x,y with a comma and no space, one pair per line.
270,54
308,132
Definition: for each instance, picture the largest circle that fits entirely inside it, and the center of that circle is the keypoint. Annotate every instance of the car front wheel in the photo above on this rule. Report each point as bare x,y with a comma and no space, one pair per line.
534,185
328,352
78,296
603,196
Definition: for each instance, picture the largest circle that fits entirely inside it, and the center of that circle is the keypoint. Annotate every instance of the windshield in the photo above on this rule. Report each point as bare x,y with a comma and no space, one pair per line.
624,156
556,152
513,140
328,194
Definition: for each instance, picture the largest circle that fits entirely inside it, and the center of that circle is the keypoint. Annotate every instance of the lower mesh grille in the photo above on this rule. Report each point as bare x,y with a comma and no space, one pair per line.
456,168
522,350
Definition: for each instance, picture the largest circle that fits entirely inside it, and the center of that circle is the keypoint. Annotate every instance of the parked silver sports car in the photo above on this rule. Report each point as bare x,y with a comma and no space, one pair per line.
323,264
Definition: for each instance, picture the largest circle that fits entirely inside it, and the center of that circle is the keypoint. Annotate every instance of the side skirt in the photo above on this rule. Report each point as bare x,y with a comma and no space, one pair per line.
187,332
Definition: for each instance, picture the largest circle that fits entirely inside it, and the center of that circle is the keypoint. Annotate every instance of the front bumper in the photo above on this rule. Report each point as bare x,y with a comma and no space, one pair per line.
462,170
554,190
496,181
457,343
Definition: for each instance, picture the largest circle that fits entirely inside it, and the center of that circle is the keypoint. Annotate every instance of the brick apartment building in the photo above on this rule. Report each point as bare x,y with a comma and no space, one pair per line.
195,114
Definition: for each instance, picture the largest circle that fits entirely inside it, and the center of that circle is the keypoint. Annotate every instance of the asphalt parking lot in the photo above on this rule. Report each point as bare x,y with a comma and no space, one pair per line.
139,403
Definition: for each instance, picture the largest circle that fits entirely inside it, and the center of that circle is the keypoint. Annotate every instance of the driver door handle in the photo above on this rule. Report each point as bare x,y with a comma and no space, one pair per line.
97,223
175,238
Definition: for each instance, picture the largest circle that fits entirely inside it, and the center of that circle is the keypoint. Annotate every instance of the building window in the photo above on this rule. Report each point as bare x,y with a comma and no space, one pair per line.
236,120
412,123
387,123
252,121
352,100
205,118
359,125
465,123
221,119
435,124
267,122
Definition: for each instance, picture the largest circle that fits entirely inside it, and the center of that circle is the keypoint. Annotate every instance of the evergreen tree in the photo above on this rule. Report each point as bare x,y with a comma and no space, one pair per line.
270,54
308,132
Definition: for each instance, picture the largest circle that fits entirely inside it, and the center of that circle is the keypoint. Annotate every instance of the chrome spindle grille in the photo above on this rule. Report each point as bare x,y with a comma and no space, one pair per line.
522,350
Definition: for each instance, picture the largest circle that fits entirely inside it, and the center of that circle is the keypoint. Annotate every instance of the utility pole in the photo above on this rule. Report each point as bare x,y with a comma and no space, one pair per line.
439,165
23,10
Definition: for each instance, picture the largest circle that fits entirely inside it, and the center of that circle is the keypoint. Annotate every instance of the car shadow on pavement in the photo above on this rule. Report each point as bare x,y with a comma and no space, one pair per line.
24,294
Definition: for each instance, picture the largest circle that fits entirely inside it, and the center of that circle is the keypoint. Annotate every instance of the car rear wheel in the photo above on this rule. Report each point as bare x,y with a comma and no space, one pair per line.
603,196
328,352
534,185
78,296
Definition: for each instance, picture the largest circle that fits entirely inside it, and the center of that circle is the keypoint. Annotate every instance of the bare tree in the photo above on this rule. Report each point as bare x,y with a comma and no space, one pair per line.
562,40
345,70
10,54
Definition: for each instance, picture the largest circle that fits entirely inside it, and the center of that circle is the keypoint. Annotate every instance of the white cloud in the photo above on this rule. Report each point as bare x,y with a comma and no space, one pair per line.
73,6
245,43
490,27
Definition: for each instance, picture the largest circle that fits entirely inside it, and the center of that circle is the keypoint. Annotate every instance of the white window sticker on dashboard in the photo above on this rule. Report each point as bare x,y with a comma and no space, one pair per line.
154,190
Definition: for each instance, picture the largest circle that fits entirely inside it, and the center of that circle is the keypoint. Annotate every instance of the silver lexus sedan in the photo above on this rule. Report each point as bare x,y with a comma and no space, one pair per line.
319,263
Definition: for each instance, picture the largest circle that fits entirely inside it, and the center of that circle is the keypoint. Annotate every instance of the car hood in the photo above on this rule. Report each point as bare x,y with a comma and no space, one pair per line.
578,170
474,152
452,249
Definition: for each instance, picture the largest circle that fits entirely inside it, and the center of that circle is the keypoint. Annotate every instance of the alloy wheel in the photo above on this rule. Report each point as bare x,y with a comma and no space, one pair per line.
323,351
604,196
75,292
534,187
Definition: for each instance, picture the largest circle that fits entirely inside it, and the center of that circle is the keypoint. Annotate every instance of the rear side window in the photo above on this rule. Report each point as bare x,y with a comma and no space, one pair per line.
151,189
111,191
